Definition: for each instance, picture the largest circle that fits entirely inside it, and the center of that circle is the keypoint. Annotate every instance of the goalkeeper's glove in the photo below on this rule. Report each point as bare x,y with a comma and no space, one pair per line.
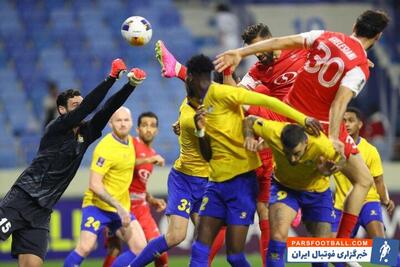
118,68
136,76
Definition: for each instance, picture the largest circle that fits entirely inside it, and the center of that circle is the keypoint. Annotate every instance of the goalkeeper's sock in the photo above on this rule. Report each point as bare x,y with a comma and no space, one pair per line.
264,239
182,70
217,244
73,259
108,261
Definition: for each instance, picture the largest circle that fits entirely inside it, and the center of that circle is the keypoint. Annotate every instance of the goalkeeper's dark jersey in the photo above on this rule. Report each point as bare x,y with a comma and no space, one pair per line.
64,143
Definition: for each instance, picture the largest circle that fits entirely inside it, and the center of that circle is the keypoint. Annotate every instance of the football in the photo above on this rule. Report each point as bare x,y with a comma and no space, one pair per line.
136,30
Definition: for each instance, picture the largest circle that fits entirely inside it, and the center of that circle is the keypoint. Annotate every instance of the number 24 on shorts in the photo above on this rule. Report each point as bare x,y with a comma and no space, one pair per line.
92,222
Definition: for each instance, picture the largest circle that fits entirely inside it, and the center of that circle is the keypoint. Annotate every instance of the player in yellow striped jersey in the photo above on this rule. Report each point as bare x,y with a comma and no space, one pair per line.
302,163
370,217
230,195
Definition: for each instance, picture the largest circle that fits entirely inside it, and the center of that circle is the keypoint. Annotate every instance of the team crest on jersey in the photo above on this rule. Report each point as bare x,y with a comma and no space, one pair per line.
80,139
100,161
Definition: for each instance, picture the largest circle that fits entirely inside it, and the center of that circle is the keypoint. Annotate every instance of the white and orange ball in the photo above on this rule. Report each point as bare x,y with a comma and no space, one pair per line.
136,30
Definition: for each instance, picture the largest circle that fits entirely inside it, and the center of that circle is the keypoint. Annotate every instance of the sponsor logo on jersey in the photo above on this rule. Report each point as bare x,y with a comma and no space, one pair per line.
286,78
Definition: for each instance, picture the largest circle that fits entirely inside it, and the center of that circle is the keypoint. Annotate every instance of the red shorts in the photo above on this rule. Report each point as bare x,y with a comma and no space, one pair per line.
264,173
350,147
143,215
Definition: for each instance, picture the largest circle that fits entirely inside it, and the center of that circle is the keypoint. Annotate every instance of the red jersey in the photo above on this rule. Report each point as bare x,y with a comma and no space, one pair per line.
277,77
334,59
142,172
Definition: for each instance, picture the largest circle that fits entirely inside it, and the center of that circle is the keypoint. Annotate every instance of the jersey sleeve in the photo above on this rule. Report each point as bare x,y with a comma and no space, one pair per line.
310,37
266,129
355,80
101,161
250,80
375,167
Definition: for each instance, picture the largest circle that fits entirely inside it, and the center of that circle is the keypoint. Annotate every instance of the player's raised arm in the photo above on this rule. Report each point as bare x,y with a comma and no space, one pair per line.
100,119
71,119
232,58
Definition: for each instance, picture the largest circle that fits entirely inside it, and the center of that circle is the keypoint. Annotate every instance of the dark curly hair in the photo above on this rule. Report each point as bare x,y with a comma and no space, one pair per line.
199,64
370,23
62,99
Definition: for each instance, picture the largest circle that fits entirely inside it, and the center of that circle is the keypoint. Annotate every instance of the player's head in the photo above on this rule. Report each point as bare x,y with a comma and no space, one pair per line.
121,122
353,121
147,126
198,78
68,101
256,33
294,140
370,24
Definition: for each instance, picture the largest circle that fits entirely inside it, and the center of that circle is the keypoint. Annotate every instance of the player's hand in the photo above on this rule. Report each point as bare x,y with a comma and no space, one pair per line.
158,160
118,68
136,76
158,203
338,146
389,206
251,143
327,167
200,118
124,216
313,126
230,58
176,128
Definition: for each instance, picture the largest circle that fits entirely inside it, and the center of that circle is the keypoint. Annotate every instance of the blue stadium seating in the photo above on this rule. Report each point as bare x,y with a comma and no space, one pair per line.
73,43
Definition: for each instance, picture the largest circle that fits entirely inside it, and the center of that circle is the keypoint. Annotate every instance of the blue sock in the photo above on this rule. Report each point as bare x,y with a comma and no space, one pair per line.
124,259
200,253
275,253
398,261
73,259
238,260
320,264
154,248
339,264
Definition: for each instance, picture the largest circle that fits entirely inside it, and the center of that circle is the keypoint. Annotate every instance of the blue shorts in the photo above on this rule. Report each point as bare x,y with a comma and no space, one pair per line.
95,219
315,206
233,201
184,193
370,211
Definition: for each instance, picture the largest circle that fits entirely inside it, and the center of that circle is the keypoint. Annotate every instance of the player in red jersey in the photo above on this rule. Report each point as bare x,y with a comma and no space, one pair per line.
336,70
141,200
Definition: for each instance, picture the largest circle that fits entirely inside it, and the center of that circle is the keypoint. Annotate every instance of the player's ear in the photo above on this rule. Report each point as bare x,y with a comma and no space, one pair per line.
361,124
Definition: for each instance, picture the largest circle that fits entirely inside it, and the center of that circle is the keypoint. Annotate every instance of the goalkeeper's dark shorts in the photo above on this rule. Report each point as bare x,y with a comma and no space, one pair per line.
26,221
